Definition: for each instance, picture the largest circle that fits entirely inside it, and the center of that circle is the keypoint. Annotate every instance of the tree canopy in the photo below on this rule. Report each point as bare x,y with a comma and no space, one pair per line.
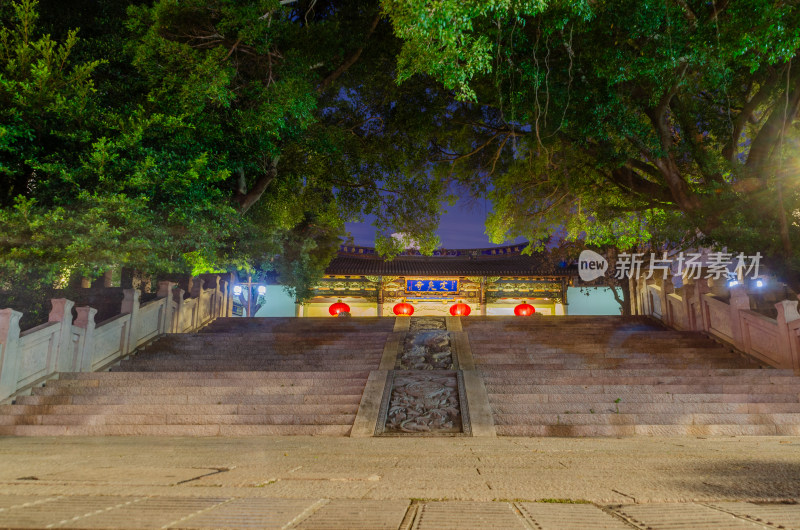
210,135
196,136
621,122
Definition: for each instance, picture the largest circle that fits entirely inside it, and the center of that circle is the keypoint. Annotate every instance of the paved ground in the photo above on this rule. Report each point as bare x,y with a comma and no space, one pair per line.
305,482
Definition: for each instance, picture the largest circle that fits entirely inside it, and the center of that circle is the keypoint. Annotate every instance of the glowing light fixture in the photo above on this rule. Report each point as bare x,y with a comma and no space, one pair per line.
338,307
460,309
237,290
759,283
524,309
403,309
262,290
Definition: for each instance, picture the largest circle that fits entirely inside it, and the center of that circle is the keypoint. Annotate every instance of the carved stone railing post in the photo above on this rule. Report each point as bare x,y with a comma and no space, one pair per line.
787,344
700,293
217,302
667,287
223,298
165,291
689,296
9,351
739,302
85,349
177,295
229,300
198,286
130,307
62,313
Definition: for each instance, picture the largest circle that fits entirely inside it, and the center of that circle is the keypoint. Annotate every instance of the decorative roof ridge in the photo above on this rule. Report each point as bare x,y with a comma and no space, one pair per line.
357,250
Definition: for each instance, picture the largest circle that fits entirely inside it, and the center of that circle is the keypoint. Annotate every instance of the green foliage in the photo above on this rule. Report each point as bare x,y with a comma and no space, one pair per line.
197,136
625,123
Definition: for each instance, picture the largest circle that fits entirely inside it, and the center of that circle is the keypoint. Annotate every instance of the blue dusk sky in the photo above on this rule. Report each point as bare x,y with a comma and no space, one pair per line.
462,226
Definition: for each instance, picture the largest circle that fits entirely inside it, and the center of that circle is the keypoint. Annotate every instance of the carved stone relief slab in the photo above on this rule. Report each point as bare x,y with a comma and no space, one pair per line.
423,403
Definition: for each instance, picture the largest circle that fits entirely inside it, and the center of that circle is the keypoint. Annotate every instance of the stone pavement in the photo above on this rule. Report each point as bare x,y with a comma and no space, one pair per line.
321,482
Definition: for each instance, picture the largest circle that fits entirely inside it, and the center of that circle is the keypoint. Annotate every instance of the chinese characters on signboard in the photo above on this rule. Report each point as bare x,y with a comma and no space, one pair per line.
431,286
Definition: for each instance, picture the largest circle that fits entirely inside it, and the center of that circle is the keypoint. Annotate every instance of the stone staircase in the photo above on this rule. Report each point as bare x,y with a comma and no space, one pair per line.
277,376
609,376
564,376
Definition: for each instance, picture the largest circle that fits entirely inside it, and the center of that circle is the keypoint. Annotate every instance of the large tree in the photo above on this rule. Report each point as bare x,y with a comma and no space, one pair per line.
200,135
621,122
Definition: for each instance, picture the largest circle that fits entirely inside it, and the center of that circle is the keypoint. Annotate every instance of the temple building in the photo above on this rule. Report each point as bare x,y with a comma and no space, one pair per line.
491,281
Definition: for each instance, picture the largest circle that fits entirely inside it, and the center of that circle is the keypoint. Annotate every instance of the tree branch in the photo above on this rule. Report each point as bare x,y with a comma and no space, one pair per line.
642,167
333,76
767,138
658,115
690,15
631,183
718,7
246,200
732,149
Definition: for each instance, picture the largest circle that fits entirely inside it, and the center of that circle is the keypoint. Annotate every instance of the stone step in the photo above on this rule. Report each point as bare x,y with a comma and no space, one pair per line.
609,365
710,387
588,398
589,339
179,399
644,408
263,346
175,430
331,355
554,353
605,418
647,430
197,381
180,409
333,389
573,361
231,375
244,353
559,356
179,419
251,367
491,371
540,378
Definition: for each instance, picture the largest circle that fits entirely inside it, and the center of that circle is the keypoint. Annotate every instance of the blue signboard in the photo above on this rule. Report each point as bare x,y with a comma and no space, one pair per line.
431,286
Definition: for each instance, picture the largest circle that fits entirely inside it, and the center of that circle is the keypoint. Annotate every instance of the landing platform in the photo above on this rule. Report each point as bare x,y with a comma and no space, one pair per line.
325,482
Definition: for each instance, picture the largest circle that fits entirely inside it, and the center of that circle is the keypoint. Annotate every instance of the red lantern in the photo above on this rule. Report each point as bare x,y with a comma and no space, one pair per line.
460,309
403,309
338,307
524,310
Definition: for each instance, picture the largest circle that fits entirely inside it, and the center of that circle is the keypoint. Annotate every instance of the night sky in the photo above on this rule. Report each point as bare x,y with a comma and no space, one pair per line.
463,226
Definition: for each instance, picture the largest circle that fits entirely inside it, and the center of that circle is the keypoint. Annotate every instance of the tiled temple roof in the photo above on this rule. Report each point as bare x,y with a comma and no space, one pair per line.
502,261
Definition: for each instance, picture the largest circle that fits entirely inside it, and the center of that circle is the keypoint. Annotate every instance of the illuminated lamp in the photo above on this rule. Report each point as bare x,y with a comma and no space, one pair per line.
460,309
524,309
403,309
338,307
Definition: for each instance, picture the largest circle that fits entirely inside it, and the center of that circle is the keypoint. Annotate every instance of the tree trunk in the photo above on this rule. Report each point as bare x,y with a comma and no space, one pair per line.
624,301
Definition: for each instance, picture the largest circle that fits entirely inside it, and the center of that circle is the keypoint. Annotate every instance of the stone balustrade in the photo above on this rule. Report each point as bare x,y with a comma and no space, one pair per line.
62,345
694,307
